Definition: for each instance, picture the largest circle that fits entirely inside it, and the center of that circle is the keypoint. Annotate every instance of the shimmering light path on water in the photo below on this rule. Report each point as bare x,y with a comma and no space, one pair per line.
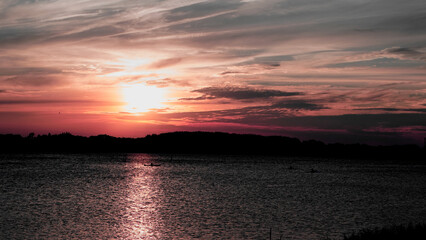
226,197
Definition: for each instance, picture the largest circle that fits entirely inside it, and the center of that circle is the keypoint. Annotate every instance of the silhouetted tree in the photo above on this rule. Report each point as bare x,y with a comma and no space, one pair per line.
204,142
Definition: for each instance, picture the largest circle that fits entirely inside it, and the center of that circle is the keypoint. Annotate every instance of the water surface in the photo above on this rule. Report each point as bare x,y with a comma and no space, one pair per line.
51,196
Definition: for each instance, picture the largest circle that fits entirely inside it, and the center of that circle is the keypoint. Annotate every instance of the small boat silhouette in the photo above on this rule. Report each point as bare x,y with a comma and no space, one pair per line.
152,165
313,170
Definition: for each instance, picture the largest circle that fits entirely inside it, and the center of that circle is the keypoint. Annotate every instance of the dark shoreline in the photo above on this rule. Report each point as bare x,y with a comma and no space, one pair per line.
204,143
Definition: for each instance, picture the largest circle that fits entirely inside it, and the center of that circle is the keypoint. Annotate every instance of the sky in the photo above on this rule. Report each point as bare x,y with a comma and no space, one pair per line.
350,71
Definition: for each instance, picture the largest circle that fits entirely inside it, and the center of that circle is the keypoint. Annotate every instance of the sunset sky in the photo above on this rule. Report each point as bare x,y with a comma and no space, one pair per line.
337,70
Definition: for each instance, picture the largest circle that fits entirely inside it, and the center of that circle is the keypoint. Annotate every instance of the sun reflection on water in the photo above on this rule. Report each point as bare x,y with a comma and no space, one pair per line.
141,220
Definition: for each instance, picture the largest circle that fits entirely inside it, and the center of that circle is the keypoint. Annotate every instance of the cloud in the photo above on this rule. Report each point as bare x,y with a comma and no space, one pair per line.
273,61
358,121
165,63
378,63
268,115
37,80
412,22
10,36
166,82
255,115
279,46
201,9
42,101
278,22
348,128
278,58
239,93
298,105
420,110
393,57
27,70
224,23
95,32
396,130
56,103
406,53
232,72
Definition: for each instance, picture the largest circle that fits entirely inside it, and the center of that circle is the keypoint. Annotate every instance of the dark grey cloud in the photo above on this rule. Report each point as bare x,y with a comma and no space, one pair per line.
273,61
321,13
420,110
352,123
22,35
36,80
239,93
318,82
245,52
244,24
89,15
95,32
406,22
201,9
289,20
348,128
350,75
204,97
356,121
256,115
379,63
278,58
27,70
298,105
253,15
231,72
217,24
406,52
73,24
246,37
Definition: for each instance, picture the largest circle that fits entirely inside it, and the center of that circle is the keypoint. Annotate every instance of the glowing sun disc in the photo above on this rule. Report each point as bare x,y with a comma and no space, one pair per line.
142,98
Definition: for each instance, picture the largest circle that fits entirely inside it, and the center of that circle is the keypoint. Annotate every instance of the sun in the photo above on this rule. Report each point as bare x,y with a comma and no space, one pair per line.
142,98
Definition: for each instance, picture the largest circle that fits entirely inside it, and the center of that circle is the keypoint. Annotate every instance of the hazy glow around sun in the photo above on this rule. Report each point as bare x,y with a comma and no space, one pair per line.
142,98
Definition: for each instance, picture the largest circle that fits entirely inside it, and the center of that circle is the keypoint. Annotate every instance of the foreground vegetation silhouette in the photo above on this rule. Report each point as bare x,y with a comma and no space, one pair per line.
202,142
396,232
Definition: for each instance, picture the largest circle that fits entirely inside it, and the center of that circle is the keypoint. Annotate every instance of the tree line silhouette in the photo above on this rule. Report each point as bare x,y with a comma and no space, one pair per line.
202,142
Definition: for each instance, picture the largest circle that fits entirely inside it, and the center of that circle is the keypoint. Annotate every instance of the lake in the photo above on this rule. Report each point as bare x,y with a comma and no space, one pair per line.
107,196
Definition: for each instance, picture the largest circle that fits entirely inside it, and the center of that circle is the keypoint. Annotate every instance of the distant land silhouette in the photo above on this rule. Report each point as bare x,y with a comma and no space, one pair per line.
205,143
